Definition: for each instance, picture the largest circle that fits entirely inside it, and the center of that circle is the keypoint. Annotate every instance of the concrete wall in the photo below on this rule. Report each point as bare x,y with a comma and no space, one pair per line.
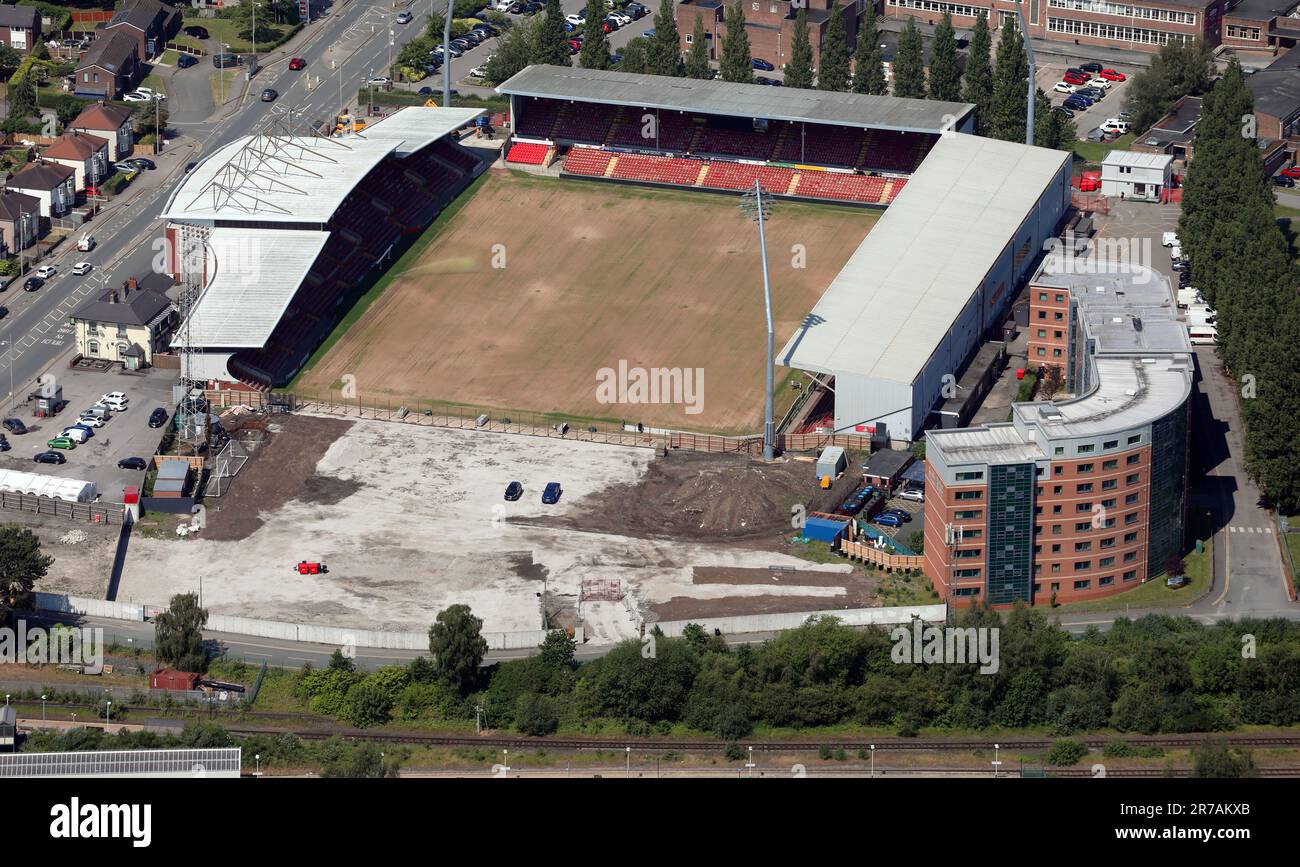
775,622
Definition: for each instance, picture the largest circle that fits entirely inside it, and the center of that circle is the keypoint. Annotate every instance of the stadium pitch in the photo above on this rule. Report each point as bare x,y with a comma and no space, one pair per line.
589,301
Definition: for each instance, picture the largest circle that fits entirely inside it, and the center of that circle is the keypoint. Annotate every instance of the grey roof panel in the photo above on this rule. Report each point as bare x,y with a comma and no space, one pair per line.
735,100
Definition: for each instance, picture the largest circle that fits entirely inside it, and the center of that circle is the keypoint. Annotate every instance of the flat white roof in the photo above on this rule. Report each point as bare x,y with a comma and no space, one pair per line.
1130,392
901,291
1138,160
415,127
254,275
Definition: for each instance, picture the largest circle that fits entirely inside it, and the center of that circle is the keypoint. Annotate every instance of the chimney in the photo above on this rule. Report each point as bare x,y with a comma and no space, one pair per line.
112,299
131,283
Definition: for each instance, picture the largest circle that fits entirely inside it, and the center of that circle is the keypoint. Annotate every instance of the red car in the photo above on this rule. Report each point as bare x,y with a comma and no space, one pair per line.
574,46
1074,78
1291,172
1112,75
297,63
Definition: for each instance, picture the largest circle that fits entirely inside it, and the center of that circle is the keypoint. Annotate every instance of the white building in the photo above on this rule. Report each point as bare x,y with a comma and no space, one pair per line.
1132,175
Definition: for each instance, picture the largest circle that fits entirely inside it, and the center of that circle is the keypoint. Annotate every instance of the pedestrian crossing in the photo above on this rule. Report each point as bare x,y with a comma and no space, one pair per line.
1266,530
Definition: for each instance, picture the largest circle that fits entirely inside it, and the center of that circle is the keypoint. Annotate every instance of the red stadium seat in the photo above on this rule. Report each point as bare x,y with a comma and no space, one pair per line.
527,153
587,161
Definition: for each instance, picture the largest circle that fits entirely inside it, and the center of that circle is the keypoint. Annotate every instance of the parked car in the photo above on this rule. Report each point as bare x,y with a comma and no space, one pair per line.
887,519
1114,125
379,81
31,284
577,19
62,443
575,46
478,72
1180,264
4,311
1064,87
1113,75
132,464
135,97
46,271
551,494
1076,70
1076,103
760,63
197,32
903,515
1091,66
4,444
15,426
151,93
158,417
1092,93
1081,97
487,29
637,11
403,17
1075,77
1098,82
81,269
622,18
50,458
91,421
472,38
916,495
1291,172
514,491
185,61
763,79
1283,181
425,91
297,63
77,433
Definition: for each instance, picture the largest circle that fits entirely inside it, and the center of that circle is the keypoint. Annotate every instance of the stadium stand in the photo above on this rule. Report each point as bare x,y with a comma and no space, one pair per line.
750,144
585,123
827,145
527,153
659,170
740,176
592,162
830,185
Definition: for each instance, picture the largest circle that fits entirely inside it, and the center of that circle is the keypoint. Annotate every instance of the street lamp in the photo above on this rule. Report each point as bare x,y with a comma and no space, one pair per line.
42,708
108,714
873,760
446,56
995,761
629,761
750,763
257,764
759,209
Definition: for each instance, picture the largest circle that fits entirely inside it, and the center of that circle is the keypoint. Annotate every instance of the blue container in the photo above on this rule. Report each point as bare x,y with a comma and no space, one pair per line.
823,530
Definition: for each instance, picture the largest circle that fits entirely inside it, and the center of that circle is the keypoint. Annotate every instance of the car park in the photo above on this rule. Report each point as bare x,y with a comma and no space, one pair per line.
514,491
158,417
297,63
132,464
31,284
551,494
50,458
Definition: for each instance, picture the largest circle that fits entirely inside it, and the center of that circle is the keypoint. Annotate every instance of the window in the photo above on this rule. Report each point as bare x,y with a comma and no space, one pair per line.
1056,529
1056,510
1056,549
1108,542
1058,470
688,39
1106,561
1083,507
1136,438
1058,316
1130,556
1130,519
1130,499
969,495
1236,31
1132,459
967,573
1108,504
1086,448
966,591
1084,488
968,515
1056,489
1082,585
92,347
1041,351
969,533
1113,32
1109,465
1130,538
1056,567
1080,547
1130,575
1083,526
1110,444
968,553
1056,353
1059,450
1109,484
1060,299
1042,314
1042,332
1107,581
1132,479
970,476
1042,296
1081,565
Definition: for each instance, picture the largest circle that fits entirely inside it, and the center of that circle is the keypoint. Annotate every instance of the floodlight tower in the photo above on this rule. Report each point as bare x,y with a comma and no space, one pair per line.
759,208
1031,97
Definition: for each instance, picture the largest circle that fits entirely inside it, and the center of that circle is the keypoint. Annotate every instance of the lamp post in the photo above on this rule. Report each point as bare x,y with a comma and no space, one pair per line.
446,55
629,761
9,356
43,708
873,761
750,763
108,713
257,764
758,209
995,761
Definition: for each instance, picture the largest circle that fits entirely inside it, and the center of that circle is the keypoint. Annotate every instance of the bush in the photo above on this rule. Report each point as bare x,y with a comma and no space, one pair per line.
535,715
1066,752
824,752
1027,385
734,751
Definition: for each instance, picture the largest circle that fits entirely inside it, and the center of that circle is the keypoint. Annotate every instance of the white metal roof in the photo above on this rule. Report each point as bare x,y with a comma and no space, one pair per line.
901,291
254,274
41,485
415,127
1137,160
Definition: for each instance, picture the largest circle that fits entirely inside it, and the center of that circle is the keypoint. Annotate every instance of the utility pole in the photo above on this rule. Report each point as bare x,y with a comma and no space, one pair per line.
758,208
446,55
1031,97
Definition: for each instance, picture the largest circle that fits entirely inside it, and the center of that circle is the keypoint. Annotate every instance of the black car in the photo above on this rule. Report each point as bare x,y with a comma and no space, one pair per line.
197,32
31,284
15,426
4,311
270,94
514,491
1092,67
486,29
1283,181
158,417
1060,109
4,445
50,457
185,61
144,163
902,515
637,11
426,91
1180,264
132,464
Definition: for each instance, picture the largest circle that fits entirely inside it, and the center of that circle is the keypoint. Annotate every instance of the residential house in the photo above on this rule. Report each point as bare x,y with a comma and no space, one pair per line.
85,154
20,27
110,122
148,22
53,184
20,221
127,325
109,68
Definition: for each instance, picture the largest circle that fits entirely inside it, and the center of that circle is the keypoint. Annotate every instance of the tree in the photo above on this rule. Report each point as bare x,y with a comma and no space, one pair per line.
833,65
365,761
514,52
869,75
697,59
340,661
1007,108
665,46
22,101
457,647
945,74
557,650
150,118
1215,759
977,83
552,43
737,64
595,45
909,66
535,715
21,565
799,71
1177,70
1065,753
9,61
636,56
413,60
629,685
367,704
178,634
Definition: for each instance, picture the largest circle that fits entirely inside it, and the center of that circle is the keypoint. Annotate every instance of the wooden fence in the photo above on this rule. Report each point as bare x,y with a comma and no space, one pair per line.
91,513
883,559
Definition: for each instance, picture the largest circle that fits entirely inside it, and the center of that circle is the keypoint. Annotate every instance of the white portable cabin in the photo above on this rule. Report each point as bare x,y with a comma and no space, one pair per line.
1137,176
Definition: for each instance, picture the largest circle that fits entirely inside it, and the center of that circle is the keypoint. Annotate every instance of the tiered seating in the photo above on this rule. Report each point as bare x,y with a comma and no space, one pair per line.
823,145
452,153
896,188
527,153
896,152
585,122
675,130
737,143
851,188
662,170
537,118
587,161
738,176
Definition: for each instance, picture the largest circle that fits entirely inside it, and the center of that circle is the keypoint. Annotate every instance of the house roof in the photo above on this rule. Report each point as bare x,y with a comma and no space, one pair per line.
1277,89
110,51
1137,160
74,146
140,14
14,204
20,16
40,176
139,307
102,116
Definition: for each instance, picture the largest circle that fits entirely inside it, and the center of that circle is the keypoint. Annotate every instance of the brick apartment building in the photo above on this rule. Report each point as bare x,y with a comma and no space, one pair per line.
1261,24
769,25
1077,498
1141,25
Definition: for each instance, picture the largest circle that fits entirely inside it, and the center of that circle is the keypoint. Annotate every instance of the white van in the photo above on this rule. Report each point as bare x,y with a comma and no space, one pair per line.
86,243
1188,297
1203,334
116,404
76,434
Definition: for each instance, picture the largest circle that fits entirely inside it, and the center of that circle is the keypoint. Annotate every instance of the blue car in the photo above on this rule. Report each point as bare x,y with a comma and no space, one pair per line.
760,63
888,519
551,495
649,34
1078,99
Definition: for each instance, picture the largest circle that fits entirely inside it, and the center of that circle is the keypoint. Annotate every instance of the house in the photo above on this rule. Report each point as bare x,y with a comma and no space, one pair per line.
20,27
85,154
127,325
110,122
53,184
148,22
20,221
1137,176
109,68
